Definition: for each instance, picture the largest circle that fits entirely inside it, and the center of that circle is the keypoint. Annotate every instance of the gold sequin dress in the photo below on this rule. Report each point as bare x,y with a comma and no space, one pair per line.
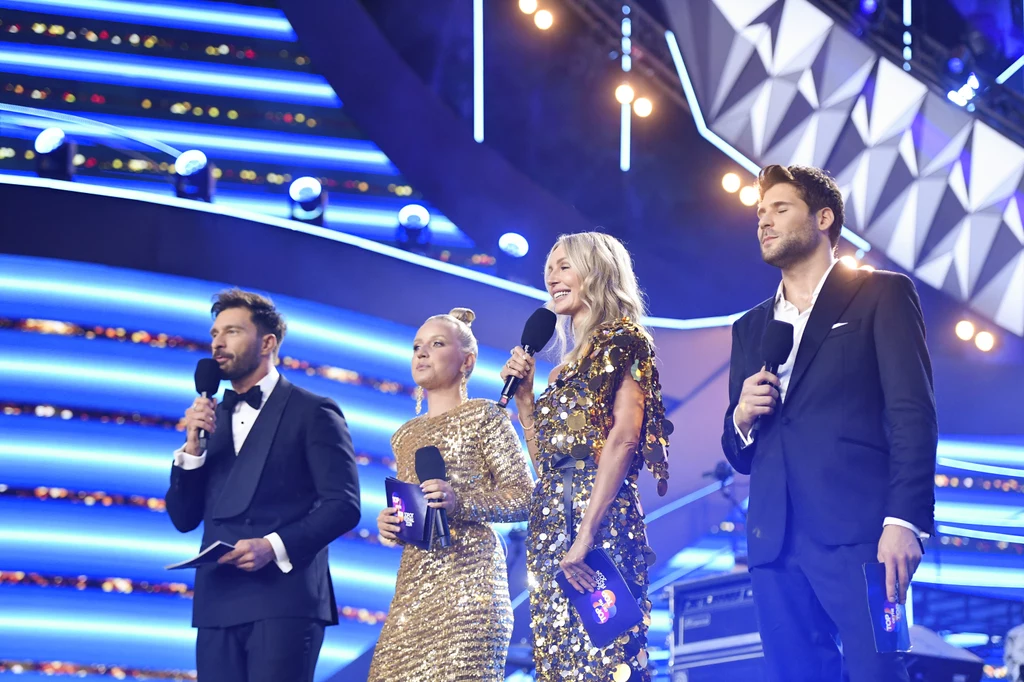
451,617
573,418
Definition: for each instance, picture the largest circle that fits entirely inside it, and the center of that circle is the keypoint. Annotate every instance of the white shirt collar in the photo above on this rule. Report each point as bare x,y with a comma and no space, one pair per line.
266,385
780,297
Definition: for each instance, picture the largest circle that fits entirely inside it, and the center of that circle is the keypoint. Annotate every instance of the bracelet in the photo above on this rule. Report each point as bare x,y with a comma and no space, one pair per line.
519,416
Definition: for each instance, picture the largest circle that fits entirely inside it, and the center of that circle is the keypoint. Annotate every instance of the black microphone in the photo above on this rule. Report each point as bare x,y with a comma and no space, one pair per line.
776,345
208,376
536,333
722,473
430,465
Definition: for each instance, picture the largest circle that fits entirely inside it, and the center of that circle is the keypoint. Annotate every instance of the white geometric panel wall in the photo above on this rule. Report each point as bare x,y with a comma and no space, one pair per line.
940,192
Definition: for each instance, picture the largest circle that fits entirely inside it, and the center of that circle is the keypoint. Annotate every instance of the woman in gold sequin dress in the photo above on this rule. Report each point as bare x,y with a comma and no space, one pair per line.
451,617
589,435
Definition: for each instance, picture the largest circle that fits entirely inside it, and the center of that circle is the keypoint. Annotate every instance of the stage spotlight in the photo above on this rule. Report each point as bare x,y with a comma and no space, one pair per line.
194,178
868,6
731,183
624,93
308,201
514,244
985,341
867,268
528,6
850,262
643,107
55,155
544,19
965,330
413,231
749,195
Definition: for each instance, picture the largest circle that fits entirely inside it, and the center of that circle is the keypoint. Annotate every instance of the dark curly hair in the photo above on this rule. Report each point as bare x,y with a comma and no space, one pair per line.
816,188
264,314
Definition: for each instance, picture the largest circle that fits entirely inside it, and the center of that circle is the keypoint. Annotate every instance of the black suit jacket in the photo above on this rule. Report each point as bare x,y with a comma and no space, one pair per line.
296,476
855,439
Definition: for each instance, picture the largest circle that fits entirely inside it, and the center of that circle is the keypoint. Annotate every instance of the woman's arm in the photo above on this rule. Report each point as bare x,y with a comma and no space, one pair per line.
612,467
506,497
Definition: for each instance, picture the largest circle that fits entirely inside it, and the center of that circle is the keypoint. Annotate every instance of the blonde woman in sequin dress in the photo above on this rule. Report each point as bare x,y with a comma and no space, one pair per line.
451,617
589,435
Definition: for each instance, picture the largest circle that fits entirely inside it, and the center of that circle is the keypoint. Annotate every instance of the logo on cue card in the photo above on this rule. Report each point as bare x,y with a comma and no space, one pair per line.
892,616
602,600
406,517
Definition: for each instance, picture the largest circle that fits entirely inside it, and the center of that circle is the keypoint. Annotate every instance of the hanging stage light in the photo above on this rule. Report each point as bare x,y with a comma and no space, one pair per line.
194,176
55,155
413,231
308,200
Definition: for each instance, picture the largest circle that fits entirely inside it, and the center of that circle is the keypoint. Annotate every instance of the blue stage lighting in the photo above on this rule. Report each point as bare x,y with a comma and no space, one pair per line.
55,155
955,66
194,176
514,244
308,200
868,6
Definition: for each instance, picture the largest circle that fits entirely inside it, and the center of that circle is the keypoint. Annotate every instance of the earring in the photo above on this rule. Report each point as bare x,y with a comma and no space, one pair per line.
463,390
419,399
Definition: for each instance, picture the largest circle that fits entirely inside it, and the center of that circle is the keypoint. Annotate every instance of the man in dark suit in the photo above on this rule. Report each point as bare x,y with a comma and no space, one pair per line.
842,463
277,480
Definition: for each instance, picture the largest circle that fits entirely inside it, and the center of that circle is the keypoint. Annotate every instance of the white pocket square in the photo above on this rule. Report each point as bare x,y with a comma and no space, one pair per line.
837,325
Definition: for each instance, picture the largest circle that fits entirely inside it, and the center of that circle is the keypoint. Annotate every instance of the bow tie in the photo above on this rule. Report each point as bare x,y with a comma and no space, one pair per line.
254,396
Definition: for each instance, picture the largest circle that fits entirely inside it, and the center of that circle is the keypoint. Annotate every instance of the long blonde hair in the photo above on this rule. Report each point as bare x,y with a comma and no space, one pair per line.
608,289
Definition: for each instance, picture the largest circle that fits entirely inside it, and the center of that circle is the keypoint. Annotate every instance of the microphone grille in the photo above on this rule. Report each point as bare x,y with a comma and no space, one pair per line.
208,376
430,464
777,343
539,329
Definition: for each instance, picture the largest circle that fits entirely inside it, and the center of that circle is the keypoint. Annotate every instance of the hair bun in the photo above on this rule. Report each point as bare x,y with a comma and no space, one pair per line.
464,315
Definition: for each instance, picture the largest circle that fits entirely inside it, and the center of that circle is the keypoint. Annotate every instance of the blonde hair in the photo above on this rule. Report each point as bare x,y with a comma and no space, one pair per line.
608,289
461,319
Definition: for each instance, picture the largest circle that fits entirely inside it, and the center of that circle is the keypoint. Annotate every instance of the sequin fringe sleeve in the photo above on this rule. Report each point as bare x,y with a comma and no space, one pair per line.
630,352
504,497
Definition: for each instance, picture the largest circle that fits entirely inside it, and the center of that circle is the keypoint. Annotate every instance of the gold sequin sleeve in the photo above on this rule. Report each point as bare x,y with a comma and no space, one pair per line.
504,495
631,354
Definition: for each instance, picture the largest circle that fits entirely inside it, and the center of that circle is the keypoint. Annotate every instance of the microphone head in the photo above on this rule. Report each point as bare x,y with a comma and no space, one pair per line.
430,464
539,329
777,343
208,376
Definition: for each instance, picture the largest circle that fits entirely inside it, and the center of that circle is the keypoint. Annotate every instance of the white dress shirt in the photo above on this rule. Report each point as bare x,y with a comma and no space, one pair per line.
241,423
787,312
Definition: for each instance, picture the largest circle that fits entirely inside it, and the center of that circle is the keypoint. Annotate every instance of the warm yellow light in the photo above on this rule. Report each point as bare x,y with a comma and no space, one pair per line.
748,195
850,262
985,341
731,183
965,330
624,93
867,268
643,107
528,6
544,19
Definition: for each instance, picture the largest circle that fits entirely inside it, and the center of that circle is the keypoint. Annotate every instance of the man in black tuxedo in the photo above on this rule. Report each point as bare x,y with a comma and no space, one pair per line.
278,480
842,463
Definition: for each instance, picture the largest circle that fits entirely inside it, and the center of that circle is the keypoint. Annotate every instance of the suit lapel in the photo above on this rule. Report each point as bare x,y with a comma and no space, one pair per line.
221,442
833,299
241,484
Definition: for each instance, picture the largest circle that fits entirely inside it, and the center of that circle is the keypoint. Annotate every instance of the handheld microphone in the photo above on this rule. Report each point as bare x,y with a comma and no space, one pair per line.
536,333
776,345
430,465
208,376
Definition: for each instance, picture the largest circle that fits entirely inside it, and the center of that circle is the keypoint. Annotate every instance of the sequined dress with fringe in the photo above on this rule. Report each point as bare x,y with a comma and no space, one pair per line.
573,419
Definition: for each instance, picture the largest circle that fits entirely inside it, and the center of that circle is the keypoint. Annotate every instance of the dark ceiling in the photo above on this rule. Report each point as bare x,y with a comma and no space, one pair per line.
551,112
